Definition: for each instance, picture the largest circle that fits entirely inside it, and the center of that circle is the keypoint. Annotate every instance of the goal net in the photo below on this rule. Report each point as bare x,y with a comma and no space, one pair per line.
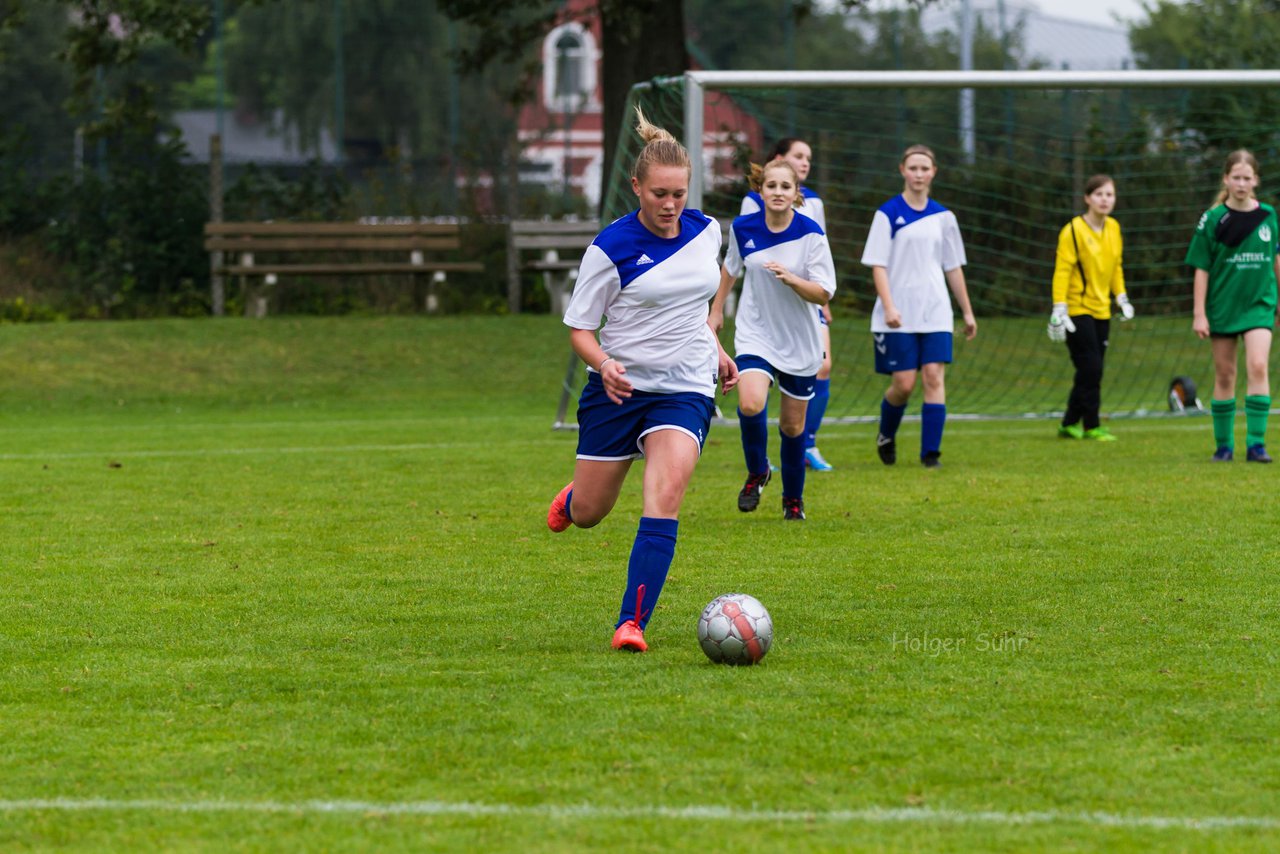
1014,149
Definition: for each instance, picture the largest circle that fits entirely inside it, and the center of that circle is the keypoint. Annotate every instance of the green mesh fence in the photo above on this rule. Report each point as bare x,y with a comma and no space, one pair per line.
1033,149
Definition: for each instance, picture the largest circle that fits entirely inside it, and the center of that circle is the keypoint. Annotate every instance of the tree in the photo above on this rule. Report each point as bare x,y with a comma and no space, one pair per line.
103,36
1217,34
33,84
395,68
642,39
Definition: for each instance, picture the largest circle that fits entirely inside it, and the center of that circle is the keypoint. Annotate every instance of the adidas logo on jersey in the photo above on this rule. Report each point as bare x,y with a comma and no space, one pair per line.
750,244
644,259
900,220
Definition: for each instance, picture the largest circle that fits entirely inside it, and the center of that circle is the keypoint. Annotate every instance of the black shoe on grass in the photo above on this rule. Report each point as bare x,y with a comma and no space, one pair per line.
887,449
749,497
793,509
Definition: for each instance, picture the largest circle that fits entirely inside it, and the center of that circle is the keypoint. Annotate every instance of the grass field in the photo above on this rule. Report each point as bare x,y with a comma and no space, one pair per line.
287,585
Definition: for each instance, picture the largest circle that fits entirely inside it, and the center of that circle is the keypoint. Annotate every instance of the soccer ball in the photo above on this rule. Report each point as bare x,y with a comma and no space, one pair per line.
735,629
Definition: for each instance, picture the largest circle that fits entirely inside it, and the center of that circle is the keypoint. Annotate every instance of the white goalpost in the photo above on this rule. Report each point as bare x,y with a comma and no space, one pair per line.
1013,176
698,83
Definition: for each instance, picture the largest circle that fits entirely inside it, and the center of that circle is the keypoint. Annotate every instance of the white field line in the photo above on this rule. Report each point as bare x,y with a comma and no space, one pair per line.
242,452
872,815
986,428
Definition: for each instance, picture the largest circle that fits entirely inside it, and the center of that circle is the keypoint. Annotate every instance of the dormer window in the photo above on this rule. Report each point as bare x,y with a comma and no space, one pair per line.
569,69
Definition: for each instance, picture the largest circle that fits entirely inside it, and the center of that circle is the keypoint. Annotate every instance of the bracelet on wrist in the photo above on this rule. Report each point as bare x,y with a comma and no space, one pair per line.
600,369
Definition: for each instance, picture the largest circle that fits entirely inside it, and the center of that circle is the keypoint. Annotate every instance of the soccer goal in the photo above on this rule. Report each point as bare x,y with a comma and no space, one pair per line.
1015,149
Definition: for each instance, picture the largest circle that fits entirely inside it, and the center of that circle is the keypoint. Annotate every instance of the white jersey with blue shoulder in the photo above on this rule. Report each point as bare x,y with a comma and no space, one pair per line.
655,293
916,248
812,207
773,322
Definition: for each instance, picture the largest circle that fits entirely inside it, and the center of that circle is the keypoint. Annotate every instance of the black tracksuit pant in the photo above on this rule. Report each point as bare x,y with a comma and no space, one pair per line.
1088,347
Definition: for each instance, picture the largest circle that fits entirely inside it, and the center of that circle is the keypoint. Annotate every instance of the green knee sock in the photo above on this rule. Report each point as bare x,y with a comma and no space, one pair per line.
1224,422
1256,407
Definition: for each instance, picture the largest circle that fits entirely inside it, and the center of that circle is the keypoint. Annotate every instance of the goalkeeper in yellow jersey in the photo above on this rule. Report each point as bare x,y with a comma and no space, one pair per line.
1088,273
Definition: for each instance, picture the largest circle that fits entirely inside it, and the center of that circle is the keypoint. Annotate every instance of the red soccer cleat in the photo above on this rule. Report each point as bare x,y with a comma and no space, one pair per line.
557,519
630,636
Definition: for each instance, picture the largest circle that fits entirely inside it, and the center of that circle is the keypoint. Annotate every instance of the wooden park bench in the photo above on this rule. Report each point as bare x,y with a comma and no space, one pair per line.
270,250
553,248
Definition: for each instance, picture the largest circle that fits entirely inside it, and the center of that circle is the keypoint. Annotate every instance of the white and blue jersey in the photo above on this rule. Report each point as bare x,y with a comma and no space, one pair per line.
812,207
773,321
654,292
916,248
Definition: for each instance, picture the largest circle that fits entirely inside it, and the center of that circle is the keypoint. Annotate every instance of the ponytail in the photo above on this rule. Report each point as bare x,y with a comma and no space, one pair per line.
660,148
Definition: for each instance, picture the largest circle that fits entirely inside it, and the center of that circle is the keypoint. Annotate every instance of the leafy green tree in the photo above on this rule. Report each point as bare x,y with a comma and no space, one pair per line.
34,84
395,66
1217,34
641,39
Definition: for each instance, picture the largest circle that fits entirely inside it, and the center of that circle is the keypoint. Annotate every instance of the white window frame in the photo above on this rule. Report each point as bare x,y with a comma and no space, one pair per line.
589,58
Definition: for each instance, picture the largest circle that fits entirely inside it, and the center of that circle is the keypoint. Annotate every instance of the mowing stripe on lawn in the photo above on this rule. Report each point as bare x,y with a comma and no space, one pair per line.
871,815
988,429
241,452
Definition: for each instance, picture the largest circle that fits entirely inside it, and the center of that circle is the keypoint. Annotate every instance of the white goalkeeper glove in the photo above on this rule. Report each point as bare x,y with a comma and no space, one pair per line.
1060,323
1126,307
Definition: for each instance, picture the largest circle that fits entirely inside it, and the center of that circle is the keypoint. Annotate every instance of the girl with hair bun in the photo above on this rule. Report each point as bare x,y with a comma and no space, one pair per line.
786,261
651,373
798,153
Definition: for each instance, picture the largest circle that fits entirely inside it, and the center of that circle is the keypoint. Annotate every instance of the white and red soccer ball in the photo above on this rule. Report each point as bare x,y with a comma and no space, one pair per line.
735,629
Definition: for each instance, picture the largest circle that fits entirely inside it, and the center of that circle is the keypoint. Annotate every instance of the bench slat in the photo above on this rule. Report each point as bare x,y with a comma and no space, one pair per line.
328,244
534,226
548,241
553,265
328,228
351,269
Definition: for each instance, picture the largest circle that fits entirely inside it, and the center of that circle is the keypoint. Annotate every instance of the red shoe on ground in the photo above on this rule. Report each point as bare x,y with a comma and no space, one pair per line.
557,519
630,636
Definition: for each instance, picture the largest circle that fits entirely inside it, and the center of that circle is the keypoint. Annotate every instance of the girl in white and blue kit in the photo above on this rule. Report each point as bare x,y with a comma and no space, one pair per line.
915,254
652,374
798,153
786,261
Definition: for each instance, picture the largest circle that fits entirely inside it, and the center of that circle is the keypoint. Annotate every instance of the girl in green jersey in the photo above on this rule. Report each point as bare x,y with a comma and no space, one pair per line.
1233,252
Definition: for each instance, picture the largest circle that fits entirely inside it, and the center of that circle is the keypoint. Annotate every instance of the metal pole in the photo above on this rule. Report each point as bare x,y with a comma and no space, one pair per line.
967,143
339,92
789,37
220,69
217,286
693,107
77,156
455,118
564,100
899,99
1006,62
101,99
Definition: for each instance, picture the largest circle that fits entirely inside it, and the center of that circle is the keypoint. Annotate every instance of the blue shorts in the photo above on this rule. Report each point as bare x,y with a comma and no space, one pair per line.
609,431
822,318
791,385
909,351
